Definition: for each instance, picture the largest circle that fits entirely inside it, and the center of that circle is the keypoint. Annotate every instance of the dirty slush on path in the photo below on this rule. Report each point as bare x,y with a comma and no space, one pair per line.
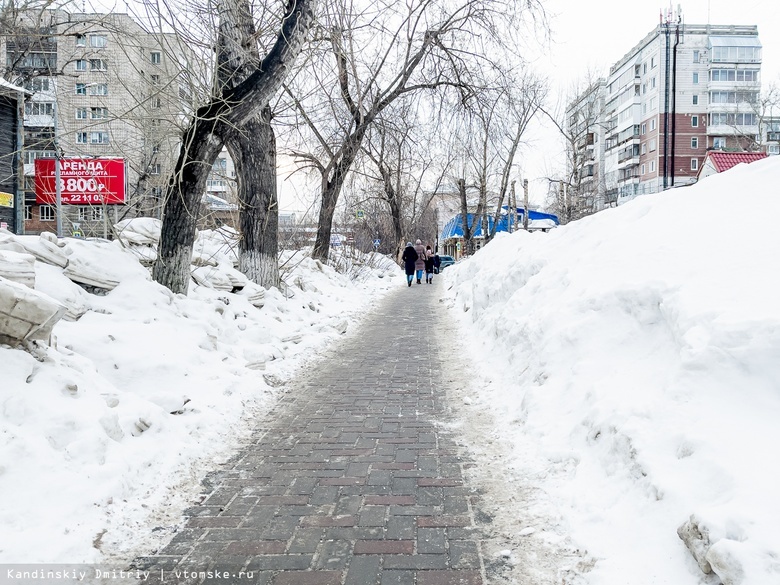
364,473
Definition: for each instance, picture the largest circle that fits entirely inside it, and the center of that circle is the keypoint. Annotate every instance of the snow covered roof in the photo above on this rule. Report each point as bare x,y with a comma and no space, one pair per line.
716,161
536,220
8,87
723,161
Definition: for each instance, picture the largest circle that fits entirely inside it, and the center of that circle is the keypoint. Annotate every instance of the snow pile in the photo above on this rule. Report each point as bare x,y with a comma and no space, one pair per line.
642,345
142,390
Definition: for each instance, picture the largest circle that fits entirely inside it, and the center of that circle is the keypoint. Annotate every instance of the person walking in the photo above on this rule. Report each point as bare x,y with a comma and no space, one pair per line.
436,263
409,259
429,265
419,265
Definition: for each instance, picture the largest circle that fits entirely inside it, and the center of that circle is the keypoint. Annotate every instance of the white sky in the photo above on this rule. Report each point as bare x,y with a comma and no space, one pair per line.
591,36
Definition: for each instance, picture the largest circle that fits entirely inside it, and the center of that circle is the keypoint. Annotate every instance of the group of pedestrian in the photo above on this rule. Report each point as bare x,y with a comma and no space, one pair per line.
417,260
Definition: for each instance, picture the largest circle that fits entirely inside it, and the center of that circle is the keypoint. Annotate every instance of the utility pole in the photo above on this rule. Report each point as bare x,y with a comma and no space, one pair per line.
57,185
525,204
19,198
512,215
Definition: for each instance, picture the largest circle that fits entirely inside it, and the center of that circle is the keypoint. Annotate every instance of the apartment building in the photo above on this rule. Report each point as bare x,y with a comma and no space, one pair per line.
683,90
102,87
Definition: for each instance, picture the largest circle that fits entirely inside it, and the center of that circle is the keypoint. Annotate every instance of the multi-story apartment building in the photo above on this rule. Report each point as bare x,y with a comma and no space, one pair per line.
682,90
102,87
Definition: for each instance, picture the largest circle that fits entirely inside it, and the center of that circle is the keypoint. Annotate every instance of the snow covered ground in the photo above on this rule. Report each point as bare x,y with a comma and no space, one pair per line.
629,360
118,419
633,362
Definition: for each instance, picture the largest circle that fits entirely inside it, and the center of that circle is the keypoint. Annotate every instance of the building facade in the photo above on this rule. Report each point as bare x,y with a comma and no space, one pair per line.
102,87
683,90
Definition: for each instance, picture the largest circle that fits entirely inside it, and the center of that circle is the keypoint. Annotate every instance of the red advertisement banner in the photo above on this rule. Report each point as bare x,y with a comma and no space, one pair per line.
83,181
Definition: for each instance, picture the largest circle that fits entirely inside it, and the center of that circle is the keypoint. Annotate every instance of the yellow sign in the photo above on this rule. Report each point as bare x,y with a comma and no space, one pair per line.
6,199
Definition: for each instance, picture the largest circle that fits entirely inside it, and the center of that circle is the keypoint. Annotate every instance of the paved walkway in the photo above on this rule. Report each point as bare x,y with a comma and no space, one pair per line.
349,480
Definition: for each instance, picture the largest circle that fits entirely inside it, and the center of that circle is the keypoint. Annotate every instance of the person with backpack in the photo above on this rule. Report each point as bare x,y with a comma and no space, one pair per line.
409,259
429,265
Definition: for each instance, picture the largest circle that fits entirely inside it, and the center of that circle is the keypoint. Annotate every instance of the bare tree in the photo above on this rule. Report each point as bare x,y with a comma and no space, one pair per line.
252,147
382,54
579,190
230,108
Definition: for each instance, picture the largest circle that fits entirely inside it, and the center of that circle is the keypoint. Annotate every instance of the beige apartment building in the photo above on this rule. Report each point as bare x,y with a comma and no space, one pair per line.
681,91
102,87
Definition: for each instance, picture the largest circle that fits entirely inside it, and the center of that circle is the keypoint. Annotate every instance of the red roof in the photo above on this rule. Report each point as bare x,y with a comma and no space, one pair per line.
723,161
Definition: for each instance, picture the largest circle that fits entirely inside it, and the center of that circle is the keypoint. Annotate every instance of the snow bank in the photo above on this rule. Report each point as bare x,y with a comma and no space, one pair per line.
643,344
142,390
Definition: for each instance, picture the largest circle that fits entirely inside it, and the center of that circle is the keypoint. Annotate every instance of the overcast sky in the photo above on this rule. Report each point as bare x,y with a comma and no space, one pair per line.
591,36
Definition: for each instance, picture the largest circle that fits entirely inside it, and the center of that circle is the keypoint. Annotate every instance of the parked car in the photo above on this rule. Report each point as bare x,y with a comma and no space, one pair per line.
446,261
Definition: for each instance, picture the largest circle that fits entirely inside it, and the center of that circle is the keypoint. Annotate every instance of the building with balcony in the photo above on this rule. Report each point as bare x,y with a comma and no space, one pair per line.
681,91
102,87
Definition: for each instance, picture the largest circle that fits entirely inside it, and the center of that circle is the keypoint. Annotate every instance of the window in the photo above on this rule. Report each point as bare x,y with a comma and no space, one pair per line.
652,124
98,65
652,83
719,143
695,77
98,41
644,88
695,99
643,170
773,149
98,89
652,166
644,129
81,137
81,113
81,41
652,63
155,169
644,149
39,109
31,155
38,84
156,102
81,89
155,57
694,142
695,56
90,213
733,119
81,65
156,122
695,121
736,54
155,79
100,137
47,213
157,192
694,164
155,149
27,213
98,113
651,145
644,68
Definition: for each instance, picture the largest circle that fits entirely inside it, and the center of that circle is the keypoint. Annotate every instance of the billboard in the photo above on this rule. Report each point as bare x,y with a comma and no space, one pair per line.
83,181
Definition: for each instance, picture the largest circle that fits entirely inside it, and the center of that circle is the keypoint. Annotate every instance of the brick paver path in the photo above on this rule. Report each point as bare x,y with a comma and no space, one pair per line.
350,480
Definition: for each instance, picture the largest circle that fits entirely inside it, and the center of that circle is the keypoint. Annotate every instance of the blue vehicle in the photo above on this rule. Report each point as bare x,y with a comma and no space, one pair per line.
446,261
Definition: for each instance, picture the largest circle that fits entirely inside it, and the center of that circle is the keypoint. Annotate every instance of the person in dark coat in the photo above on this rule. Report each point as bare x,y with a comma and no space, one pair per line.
409,259
429,264
419,266
436,263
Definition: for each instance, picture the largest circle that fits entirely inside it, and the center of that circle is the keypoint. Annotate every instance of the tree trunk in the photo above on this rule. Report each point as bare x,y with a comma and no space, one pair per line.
332,189
200,148
252,147
253,150
232,108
